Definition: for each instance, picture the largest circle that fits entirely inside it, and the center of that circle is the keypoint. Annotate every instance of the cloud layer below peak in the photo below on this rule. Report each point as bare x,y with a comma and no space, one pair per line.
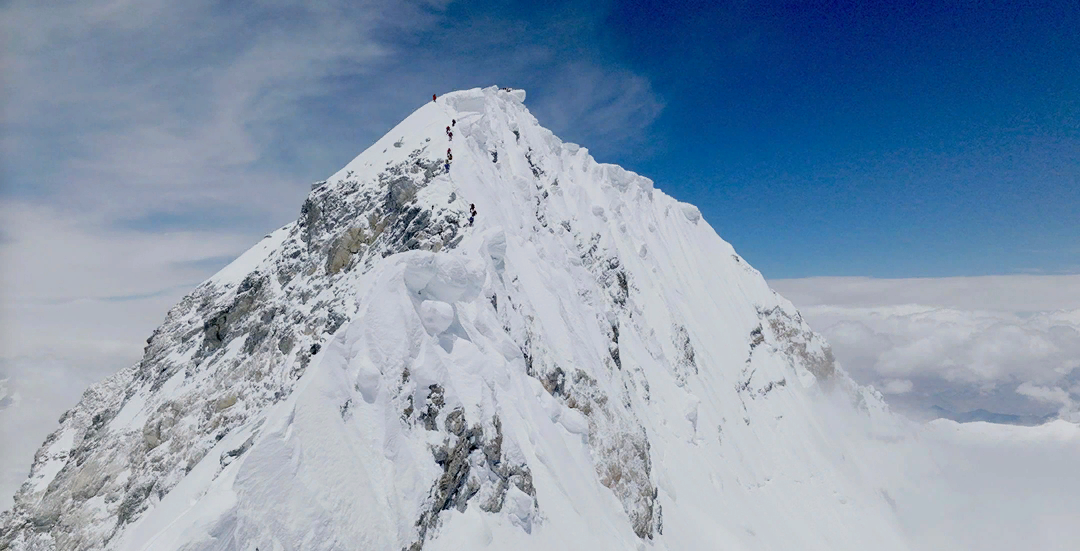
1007,344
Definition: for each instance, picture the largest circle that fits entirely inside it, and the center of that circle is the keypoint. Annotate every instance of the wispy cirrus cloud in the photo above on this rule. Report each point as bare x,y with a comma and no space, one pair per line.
168,105
610,108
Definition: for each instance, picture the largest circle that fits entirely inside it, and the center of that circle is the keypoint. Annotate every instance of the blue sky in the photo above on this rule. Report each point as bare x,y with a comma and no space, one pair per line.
890,139
886,139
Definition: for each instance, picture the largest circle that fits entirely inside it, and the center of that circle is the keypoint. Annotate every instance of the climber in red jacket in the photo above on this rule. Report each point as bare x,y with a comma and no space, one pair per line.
433,97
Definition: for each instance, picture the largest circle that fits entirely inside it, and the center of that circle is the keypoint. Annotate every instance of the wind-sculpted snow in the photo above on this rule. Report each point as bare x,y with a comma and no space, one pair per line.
587,366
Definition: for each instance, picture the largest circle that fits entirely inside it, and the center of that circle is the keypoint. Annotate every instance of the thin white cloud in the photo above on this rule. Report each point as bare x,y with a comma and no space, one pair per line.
897,386
1053,395
166,103
610,108
1067,400
53,256
72,289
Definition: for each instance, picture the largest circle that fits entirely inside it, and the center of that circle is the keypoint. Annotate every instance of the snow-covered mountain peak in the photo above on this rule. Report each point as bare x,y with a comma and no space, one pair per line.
585,364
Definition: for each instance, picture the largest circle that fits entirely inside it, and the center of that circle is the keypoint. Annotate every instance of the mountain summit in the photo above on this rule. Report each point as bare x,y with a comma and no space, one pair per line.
585,365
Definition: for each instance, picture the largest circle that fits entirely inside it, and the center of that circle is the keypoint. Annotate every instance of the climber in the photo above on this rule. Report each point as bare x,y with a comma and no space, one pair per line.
494,156
447,166
447,129
449,156
433,97
453,122
472,213
450,135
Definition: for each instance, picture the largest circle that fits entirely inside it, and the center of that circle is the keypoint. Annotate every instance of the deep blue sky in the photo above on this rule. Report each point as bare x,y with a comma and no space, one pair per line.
888,139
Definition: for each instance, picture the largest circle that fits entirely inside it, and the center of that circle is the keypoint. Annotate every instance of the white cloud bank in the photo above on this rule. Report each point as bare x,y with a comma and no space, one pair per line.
1003,343
1011,293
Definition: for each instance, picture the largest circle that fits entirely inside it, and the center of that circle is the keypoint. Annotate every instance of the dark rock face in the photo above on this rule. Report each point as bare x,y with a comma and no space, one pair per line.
685,363
795,339
433,405
786,334
470,457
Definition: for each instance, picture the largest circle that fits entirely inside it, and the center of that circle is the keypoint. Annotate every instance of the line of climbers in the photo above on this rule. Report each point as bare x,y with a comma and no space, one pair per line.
450,157
450,136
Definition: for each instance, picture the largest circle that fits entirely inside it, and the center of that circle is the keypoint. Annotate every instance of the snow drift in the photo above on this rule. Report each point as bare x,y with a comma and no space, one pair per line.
588,366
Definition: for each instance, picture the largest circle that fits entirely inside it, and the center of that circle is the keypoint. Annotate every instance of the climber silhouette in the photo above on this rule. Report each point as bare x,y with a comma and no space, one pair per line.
433,97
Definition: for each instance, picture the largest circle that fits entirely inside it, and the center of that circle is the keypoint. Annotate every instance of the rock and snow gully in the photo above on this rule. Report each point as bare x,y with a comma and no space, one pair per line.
588,366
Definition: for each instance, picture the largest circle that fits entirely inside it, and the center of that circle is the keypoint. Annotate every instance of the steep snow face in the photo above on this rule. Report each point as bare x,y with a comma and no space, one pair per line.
588,365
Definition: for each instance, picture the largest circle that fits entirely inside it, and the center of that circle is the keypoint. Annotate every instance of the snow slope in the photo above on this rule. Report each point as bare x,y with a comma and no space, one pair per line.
589,366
